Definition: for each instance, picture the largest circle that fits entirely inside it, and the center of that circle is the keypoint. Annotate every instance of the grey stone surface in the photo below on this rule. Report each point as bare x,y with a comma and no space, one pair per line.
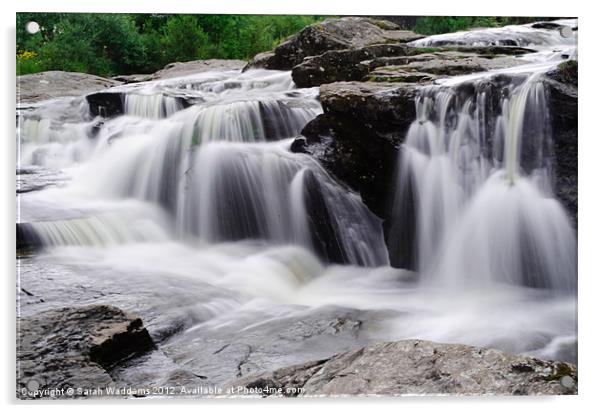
54,84
420,367
72,348
177,69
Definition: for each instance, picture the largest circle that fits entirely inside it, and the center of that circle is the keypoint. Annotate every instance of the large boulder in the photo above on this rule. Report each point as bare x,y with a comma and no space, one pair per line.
416,367
73,348
54,84
357,137
331,34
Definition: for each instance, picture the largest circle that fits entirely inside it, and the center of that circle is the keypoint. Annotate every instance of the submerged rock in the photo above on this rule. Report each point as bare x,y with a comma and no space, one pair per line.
53,84
331,34
74,348
419,367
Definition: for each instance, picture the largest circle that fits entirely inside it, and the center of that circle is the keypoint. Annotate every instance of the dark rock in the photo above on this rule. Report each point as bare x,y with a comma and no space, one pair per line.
420,367
357,137
106,104
331,34
546,25
75,348
562,88
131,78
323,233
54,84
111,104
27,239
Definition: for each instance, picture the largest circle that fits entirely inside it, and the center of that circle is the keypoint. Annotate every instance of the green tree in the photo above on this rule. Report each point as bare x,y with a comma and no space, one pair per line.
184,39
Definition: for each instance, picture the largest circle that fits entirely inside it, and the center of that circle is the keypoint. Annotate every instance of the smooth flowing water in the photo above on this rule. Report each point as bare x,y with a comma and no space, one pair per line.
191,209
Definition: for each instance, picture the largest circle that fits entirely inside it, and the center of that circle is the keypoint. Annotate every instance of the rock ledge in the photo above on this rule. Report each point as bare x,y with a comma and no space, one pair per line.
420,367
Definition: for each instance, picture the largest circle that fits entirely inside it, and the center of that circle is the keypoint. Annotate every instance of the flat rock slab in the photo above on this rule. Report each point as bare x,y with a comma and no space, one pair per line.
54,84
73,348
417,367
178,69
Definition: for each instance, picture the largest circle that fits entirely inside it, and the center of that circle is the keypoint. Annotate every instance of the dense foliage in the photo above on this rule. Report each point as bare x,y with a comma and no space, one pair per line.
446,24
108,44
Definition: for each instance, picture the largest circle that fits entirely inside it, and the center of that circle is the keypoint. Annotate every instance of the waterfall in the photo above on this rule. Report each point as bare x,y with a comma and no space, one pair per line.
475,190
155,106
222,170
188,206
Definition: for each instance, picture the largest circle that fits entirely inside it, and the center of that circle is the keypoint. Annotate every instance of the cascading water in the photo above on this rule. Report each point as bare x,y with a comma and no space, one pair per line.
210,166
475,191
190,209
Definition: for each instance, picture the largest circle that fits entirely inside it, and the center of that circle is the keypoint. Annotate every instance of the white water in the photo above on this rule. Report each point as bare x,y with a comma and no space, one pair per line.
476,169
212,193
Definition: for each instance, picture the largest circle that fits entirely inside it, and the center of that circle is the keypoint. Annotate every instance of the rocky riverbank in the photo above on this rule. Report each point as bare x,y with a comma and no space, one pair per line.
74,352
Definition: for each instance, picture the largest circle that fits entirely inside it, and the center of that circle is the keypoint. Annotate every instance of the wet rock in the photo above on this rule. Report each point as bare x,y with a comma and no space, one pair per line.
546,25
74,347
357,137
35,178
111,104
420,367
252,345
131,78
322,229
331,34
28,240
106,104
563,94
53,84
